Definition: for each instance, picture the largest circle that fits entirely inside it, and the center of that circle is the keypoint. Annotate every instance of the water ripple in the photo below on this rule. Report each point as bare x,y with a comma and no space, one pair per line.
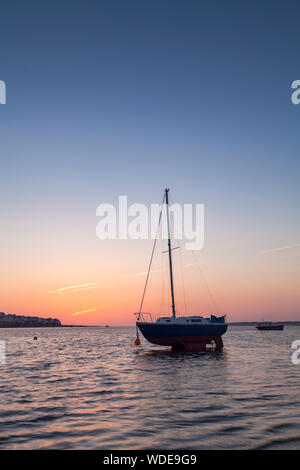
87,388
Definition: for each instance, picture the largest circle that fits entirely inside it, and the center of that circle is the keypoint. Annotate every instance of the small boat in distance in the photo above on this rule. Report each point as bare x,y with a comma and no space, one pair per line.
268,325
192,333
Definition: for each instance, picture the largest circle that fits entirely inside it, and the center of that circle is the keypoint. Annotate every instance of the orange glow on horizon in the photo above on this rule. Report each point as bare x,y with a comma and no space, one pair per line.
109,277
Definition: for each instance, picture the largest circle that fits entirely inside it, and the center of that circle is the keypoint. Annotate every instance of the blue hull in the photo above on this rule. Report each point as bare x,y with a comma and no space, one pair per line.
182,335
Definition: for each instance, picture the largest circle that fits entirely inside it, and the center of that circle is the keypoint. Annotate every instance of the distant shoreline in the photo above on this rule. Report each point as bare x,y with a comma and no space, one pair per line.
51,326
12,320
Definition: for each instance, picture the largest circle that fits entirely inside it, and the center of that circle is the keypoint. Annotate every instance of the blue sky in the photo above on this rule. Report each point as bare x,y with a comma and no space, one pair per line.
112,97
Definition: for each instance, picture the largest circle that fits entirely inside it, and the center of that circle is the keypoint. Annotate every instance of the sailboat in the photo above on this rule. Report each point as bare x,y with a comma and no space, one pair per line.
269,325
191,333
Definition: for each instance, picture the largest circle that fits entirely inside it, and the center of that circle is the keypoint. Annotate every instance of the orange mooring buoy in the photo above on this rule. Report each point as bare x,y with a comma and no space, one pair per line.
137,341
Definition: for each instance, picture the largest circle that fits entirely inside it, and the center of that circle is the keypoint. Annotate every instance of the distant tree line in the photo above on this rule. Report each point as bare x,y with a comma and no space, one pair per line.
18,321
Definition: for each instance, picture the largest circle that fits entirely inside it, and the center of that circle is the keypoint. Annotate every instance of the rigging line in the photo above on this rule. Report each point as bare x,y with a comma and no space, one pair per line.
162,302
162,281
203,276
206,283
181,266
151,258
182,280
163,275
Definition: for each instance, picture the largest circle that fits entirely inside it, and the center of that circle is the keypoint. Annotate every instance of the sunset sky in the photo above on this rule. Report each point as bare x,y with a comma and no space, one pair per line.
109,98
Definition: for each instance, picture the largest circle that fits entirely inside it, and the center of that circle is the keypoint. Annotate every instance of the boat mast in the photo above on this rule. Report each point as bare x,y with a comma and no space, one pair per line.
170,255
